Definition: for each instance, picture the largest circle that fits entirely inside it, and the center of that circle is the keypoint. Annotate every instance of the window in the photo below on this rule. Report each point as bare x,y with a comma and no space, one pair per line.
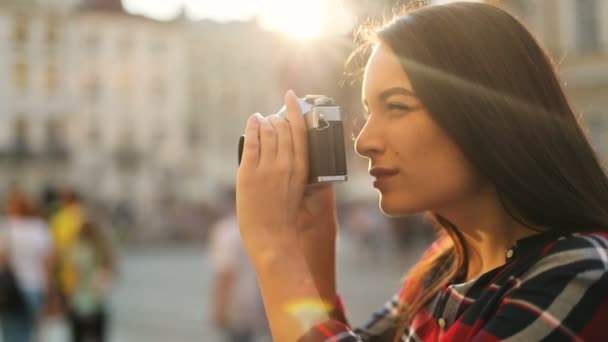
51,79
20,29
52,34
20,76
92,42
193,133
587,26
92,88
93,134
20,129
55,138
158,90
53,135
124,83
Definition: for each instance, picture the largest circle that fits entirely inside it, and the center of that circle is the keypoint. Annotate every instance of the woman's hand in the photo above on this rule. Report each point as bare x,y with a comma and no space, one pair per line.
288,229
276,210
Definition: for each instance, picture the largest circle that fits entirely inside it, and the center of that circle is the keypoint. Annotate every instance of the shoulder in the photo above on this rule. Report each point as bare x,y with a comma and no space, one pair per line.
560,296
588,250
577,260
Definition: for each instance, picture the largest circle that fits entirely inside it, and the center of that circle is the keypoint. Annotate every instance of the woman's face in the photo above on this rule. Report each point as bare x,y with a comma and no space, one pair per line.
416,165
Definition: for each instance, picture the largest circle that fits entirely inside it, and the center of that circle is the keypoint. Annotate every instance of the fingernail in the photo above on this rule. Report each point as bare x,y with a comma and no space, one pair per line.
291,93
254,118
260,118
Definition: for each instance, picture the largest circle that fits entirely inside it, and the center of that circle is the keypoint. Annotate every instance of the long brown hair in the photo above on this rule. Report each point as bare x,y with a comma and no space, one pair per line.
494,91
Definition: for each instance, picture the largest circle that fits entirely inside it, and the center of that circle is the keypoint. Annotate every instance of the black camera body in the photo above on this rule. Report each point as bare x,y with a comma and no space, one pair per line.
326,152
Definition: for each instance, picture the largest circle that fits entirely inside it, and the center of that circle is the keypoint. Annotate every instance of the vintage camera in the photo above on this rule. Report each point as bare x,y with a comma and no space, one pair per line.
326,153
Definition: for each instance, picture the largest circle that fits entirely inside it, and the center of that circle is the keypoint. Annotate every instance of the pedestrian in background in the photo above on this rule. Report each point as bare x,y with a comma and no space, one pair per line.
237,309
65,227
91,261
26,248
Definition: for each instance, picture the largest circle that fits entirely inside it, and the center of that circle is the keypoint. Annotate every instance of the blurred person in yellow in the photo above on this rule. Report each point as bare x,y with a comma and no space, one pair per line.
65,226
25,258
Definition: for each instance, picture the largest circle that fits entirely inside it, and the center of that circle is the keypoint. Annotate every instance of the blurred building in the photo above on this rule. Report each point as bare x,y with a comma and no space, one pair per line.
133,110
128,88
34,112
234,72
93,98
576,34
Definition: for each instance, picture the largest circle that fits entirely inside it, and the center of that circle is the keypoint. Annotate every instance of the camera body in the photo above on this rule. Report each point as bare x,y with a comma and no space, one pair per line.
326,152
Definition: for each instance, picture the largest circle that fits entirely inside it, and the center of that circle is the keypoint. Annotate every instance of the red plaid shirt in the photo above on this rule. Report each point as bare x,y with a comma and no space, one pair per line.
551,288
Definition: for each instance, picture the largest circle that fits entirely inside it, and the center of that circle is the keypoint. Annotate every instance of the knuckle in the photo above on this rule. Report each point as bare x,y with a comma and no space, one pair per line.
283,124
278,121
267,130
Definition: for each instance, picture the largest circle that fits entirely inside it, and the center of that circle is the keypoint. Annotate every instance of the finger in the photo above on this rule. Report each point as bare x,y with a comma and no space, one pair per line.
251,148
299,132
284,140
268,141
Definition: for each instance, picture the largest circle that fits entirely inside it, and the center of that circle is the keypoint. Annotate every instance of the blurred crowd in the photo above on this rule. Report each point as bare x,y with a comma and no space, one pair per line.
59,258
58,261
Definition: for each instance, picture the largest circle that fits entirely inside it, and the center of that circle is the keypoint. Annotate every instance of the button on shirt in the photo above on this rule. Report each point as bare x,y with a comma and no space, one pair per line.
551,288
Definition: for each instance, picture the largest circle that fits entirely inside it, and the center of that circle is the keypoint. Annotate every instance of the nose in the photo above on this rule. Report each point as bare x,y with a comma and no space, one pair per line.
369,142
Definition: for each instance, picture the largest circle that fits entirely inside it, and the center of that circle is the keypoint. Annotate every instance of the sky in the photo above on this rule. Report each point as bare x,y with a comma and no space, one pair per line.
296,18
303,18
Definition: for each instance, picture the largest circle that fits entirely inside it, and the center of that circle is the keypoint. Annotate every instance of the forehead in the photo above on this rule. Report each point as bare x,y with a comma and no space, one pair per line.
383,71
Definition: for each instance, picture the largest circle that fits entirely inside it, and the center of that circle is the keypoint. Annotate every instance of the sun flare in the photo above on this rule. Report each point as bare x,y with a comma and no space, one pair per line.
296,19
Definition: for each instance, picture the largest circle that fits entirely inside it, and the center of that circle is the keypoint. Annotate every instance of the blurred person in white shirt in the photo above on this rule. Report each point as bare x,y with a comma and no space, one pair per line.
237,307
26,247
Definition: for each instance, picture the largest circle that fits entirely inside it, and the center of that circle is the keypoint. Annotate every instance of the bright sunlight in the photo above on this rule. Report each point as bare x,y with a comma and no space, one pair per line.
299,19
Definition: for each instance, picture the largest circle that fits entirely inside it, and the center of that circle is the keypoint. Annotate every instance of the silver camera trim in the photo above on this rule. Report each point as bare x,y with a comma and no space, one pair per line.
315,113
325,179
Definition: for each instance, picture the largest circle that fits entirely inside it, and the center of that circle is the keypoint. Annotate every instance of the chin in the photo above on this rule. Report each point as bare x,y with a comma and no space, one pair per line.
395,207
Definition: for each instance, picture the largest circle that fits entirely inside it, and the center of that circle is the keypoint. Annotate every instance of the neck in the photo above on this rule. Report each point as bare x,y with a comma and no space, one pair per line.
488,231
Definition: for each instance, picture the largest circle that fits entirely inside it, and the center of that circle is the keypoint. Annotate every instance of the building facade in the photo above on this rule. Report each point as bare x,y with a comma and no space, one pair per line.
575,32
93,99
34,112
129,109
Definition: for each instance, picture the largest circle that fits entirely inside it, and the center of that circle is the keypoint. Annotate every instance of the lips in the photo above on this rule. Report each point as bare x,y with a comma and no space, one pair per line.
382,176
382,172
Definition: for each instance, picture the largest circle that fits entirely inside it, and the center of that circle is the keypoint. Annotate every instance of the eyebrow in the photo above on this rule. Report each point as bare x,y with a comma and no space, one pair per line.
385,94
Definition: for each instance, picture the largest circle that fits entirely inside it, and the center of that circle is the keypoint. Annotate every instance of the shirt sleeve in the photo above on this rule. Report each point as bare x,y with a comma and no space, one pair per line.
378,328
562,298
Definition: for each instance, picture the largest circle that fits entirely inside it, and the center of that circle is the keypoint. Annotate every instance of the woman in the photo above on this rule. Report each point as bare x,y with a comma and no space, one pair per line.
26,247
467,121
91,259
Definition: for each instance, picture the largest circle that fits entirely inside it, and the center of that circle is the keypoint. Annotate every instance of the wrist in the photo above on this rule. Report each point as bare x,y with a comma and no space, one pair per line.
296,277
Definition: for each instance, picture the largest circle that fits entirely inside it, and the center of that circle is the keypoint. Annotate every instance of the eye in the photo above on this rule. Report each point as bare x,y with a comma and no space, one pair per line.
392,106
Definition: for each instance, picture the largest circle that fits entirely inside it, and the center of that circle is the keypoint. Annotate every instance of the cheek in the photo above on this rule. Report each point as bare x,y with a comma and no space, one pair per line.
434,172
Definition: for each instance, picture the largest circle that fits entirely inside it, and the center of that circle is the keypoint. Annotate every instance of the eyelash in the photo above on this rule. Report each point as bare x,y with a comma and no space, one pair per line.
399,106
390,107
